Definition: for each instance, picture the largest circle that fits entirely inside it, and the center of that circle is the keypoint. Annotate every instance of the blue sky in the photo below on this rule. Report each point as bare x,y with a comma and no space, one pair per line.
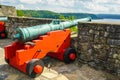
84,6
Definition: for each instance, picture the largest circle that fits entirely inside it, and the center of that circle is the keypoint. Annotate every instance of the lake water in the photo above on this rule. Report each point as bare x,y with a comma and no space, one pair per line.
108,20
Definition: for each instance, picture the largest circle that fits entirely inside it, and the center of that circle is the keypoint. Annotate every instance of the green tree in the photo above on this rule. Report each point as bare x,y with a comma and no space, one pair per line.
62,17
20,13
74,28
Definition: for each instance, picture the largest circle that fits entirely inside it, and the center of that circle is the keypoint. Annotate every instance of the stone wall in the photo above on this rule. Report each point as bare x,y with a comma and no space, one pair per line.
7,11
15,22
99,45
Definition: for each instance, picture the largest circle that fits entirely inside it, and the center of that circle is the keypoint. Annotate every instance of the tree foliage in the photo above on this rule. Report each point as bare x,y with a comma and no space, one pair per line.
74,28
50,14
20,13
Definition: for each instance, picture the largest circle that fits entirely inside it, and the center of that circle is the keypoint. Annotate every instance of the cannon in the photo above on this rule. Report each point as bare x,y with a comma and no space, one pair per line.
3,33
3,19
26,34
32,44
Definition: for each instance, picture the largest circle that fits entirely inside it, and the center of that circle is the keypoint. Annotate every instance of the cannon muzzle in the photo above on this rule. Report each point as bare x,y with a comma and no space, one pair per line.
30,33
3,18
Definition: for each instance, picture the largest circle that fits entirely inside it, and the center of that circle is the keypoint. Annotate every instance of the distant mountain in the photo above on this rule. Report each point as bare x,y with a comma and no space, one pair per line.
109,16
50,14
80,15
37,13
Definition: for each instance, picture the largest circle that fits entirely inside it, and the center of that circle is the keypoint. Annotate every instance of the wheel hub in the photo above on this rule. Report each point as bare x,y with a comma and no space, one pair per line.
2,35
38,69
72,56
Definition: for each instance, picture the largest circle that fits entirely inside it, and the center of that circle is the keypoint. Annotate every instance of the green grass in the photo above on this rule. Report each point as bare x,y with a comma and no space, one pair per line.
74,29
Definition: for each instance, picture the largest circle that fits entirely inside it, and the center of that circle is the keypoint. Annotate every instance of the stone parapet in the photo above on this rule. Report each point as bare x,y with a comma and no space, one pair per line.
99,45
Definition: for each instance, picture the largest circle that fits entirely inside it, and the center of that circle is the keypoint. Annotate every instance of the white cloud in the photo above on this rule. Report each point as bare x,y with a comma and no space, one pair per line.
114,1
66,2
30,1
1,0
100,1
7,1
96,7
62,3
58,9
89,6
20,6
100,6
37,8
114,8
